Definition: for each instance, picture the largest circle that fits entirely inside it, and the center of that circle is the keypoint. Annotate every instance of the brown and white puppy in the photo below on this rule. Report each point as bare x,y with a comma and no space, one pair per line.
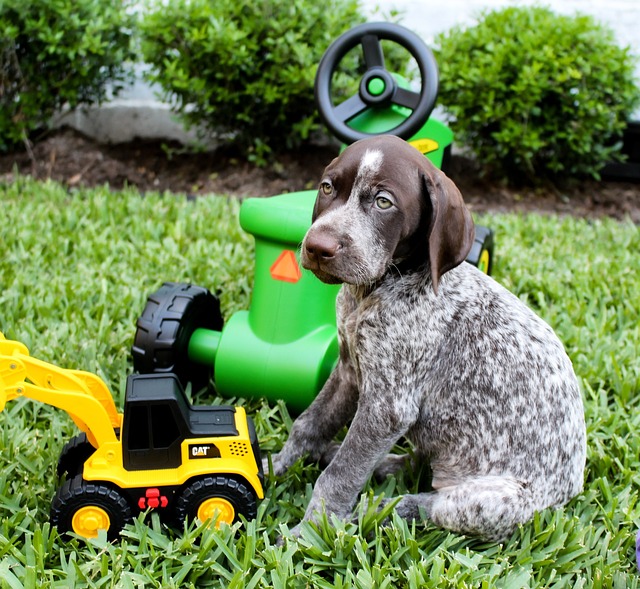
433,350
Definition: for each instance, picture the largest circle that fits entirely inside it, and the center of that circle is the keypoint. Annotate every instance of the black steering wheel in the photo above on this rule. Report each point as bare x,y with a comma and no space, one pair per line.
378,88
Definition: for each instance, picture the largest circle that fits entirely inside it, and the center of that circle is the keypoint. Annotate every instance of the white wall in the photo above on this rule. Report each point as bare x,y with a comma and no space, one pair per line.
430,17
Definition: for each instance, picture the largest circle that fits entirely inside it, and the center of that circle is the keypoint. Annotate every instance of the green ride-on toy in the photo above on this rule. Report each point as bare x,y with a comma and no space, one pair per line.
285,345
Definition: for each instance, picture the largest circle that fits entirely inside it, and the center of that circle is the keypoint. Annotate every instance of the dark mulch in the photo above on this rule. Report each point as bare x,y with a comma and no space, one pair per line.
70,158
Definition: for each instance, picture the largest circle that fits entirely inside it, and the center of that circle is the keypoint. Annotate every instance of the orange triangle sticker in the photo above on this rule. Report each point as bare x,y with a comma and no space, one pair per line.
286,267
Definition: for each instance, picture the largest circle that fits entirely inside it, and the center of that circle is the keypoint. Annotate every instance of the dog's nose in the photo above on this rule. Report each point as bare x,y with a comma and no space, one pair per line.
321,247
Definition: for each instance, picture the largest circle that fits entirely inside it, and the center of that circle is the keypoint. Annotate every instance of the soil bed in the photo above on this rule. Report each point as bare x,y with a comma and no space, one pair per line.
74,160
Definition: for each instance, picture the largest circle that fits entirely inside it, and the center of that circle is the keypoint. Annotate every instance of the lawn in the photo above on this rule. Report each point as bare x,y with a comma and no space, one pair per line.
75,271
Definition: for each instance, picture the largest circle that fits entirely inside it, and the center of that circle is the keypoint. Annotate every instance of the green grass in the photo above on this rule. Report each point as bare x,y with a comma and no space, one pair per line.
75,270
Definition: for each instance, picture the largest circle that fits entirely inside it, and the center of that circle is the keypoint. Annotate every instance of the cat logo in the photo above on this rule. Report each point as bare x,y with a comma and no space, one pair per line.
203,451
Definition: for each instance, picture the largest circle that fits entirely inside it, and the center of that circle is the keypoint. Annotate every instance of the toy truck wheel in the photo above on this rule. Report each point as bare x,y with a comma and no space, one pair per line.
222,498
85,508
165,327
73,456
481,254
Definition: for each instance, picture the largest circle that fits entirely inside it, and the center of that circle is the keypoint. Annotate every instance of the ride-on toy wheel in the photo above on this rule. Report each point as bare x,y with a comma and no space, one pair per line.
481,254
166,325
378,87
221,498
85,508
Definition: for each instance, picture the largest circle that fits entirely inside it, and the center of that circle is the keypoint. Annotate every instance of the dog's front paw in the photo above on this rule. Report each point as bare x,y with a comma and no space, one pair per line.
289,534
266,465
276,465
294,533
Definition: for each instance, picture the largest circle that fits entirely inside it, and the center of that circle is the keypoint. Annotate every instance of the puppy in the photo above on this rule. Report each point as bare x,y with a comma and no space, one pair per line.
433,350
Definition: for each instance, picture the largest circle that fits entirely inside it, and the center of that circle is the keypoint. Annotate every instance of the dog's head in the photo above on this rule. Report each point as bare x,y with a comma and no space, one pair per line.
381,203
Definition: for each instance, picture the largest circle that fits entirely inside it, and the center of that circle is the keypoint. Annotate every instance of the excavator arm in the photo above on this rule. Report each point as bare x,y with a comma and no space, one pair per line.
84,396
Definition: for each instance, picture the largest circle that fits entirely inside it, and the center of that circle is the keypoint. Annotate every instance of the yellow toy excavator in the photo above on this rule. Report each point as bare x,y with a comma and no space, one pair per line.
162,453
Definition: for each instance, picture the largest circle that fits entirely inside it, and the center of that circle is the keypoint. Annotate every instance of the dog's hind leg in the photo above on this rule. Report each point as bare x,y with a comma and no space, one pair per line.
487,506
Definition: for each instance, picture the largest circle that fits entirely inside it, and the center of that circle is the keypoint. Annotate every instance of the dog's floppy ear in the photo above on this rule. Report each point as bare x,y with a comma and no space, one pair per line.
450,226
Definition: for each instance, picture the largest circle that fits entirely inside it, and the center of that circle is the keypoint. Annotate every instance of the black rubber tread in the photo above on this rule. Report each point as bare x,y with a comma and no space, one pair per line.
77,493
237,492
73,456
483,241
164,329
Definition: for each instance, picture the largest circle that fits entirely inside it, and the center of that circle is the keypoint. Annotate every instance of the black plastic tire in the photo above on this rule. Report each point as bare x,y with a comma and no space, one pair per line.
84,507
222,487
481,254
165,327
73,456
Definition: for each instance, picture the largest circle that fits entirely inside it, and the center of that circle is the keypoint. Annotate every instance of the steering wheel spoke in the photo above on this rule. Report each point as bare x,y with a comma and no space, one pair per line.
350,108
372,51
406,98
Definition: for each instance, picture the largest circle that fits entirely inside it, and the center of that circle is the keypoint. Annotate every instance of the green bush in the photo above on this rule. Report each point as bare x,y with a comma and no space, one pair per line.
56,54
243,67
536,95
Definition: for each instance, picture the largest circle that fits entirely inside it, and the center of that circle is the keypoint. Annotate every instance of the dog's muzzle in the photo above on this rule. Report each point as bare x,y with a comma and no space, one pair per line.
320,254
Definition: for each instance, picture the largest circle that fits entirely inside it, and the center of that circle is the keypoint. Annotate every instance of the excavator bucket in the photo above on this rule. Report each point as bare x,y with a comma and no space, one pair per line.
12,372
3,394
11,369
11,347
84,396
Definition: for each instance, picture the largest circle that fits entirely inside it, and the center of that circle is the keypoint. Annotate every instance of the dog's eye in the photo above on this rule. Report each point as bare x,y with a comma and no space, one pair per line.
326,188
383,203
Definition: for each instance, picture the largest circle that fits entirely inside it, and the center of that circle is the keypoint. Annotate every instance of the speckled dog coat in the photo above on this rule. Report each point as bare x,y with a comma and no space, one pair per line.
433,350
